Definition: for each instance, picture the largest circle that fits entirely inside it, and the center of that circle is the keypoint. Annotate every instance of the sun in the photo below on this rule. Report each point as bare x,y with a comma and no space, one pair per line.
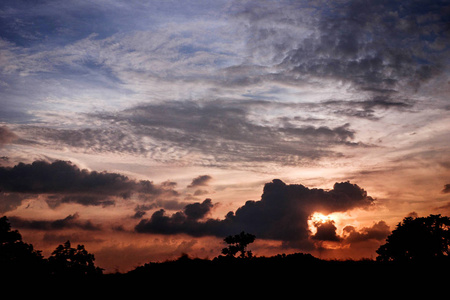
318,218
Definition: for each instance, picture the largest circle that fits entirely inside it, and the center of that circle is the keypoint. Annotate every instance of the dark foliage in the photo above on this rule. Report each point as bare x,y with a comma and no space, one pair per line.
20,259
66,260
238,243
418,240
15,255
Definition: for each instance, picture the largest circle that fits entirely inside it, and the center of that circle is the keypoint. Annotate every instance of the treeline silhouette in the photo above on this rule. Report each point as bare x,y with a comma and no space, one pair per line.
415,244
18,258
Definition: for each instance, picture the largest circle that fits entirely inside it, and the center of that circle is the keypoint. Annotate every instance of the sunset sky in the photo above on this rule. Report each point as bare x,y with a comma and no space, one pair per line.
148,129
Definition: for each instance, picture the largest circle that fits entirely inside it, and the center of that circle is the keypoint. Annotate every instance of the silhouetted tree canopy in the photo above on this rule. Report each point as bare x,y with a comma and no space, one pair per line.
15,255
73,261
19,258
414,239
417,239
238,243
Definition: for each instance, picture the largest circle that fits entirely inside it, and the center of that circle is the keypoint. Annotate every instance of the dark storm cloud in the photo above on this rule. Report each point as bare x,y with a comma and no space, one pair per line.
228,132
196,211
63,182
201,180
281,214
71,221
379,47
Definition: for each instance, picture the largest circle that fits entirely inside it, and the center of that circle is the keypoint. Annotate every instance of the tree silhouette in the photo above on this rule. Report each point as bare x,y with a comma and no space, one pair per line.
417,239
66,260
15,255
238,243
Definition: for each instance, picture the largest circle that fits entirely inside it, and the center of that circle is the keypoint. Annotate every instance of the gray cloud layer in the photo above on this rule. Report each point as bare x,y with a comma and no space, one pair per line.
226,132
69,222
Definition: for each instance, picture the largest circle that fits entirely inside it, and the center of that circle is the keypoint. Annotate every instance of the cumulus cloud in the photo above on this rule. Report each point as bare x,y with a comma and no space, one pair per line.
446,188
281,214
379,231
326,231
64,182
185,221
196,211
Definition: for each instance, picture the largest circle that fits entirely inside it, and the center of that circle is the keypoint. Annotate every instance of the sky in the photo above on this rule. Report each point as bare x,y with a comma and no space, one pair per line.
148,129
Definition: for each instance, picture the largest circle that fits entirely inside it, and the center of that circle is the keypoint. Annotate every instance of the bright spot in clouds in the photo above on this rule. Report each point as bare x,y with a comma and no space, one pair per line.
318,218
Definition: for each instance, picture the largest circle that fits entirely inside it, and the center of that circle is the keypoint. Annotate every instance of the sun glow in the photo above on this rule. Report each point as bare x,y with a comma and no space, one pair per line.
321,218
318,218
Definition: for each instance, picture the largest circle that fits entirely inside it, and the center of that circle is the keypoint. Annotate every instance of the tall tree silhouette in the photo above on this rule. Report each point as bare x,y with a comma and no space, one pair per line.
417,239
238,243
66,260
15,255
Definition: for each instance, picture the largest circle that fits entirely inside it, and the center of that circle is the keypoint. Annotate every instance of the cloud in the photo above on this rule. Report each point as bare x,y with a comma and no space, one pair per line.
86,200
186,221
197,211
326,231
6,136
378,48
64,182
216,132
89,140
201,180
10,201
69,222
446,188
367,109
281,214
227,132
379,231
200,192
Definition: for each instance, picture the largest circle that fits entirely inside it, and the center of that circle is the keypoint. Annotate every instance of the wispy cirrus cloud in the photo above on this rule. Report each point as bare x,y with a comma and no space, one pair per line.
219,131
227,133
